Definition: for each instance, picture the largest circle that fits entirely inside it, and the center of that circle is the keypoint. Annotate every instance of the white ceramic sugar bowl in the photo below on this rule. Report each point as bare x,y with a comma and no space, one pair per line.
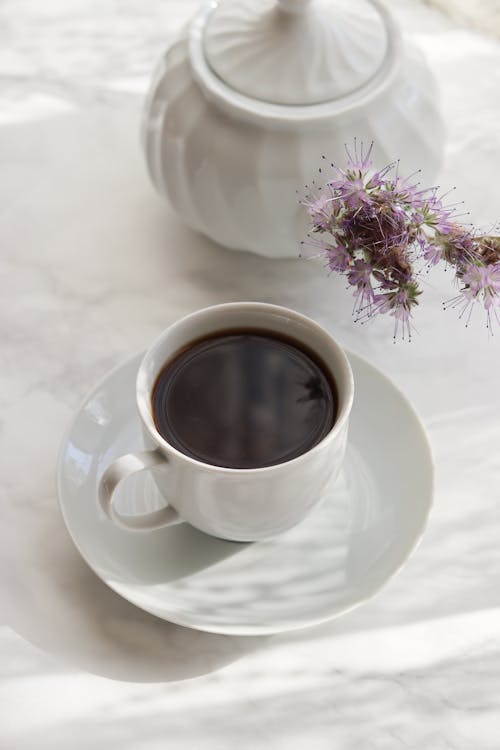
254,92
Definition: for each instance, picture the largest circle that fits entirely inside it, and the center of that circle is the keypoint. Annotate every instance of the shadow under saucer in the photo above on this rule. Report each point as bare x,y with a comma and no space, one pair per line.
52,598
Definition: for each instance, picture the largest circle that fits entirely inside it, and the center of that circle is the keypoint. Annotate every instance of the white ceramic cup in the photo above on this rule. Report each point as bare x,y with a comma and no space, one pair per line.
236,504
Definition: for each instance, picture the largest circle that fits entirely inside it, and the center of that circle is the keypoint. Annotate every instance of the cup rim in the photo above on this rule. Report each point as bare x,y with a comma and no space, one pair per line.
143,394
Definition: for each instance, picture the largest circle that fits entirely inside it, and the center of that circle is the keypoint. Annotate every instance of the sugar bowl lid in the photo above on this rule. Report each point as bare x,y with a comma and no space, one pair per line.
295,52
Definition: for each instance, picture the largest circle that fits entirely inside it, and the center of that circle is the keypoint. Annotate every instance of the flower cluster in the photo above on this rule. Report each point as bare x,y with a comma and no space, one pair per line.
382,231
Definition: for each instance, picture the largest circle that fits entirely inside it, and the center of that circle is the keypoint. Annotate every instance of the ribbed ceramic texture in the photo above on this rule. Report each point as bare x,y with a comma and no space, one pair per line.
236,181
325,52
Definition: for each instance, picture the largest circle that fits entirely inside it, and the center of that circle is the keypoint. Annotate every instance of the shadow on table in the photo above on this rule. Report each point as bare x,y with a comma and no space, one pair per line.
190,271
58,604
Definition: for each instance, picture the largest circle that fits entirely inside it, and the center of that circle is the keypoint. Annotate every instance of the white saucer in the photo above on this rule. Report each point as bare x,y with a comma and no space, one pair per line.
340,556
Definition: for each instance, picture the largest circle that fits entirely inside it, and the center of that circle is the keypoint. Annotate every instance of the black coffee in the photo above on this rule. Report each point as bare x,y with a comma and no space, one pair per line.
244,399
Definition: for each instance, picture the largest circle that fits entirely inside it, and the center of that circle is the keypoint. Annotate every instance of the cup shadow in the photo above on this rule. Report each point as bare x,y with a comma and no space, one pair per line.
52,599
161,556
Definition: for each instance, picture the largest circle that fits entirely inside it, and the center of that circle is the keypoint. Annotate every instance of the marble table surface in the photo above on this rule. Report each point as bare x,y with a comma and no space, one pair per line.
93,266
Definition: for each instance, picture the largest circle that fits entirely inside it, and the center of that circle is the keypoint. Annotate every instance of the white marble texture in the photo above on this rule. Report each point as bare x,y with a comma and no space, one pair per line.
92,268
483,14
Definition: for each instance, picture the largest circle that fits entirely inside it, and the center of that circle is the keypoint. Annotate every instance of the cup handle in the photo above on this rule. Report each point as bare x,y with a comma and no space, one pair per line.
116,473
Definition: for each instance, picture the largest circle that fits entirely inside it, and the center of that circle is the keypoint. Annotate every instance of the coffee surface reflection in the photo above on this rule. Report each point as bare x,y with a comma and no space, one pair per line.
244,399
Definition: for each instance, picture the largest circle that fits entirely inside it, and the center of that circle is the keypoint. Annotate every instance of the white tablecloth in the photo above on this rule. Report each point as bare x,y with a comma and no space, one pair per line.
93,266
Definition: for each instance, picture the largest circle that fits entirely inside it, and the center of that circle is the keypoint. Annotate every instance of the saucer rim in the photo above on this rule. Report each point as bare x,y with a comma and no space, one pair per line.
256,630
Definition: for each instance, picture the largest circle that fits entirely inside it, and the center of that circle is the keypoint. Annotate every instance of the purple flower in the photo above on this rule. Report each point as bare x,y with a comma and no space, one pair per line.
402,321
355,193
360,274
436,215
358,160
443,223
381,230
381,303
432,253
338,258
318,209
483,281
